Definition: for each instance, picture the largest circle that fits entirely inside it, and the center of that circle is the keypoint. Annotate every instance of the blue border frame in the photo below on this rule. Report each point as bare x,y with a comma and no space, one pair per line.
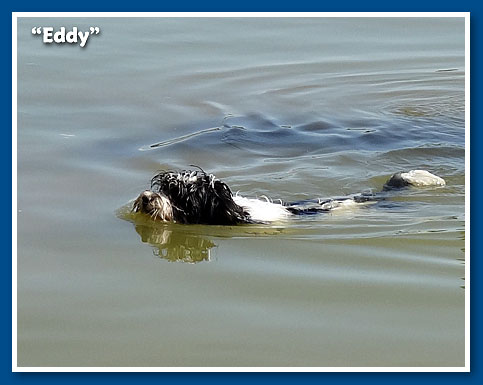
7,377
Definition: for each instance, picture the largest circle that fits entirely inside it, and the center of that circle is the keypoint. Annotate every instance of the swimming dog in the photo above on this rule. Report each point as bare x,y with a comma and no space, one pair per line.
195,197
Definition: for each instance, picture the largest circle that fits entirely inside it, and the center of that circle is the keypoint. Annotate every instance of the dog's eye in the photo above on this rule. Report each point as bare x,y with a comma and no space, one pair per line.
145,199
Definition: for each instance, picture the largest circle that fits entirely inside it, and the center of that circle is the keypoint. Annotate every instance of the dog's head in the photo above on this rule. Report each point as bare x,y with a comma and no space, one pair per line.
156,205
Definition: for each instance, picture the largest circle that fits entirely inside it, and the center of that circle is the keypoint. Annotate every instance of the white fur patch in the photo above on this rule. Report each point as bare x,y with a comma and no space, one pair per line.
422,178
262,210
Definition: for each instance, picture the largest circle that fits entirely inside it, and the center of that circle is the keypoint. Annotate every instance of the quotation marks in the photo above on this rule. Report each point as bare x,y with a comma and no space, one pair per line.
61,36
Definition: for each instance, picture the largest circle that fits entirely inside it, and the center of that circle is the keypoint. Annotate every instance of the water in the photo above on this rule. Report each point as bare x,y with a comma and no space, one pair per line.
287,108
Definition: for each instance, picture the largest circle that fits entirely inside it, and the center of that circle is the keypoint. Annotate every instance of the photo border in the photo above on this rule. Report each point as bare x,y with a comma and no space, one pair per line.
277,369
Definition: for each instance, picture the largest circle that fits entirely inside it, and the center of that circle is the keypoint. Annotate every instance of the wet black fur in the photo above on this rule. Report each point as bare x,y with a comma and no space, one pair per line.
199,198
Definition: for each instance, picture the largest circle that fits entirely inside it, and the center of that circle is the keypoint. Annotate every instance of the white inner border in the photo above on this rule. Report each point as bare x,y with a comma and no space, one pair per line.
16,15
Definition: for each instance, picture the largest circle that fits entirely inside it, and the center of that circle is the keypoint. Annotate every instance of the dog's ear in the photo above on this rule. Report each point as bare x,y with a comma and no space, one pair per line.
223,208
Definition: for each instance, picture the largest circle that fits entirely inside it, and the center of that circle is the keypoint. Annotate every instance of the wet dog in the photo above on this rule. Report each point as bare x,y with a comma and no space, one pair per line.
195,197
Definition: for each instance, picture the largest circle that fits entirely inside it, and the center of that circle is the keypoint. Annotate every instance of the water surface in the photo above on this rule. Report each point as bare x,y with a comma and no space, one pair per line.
287,108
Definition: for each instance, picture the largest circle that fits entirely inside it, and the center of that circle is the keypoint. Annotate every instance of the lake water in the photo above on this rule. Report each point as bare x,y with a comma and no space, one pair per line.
290,108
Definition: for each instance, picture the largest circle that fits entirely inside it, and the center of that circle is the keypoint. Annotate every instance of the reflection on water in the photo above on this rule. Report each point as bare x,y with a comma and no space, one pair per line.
170,241
174,244
190,243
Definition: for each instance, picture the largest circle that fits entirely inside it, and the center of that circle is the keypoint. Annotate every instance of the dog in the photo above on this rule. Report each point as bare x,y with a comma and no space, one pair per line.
195,197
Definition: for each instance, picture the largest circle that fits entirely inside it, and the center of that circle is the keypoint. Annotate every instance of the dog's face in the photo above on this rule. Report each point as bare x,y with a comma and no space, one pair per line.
157,206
